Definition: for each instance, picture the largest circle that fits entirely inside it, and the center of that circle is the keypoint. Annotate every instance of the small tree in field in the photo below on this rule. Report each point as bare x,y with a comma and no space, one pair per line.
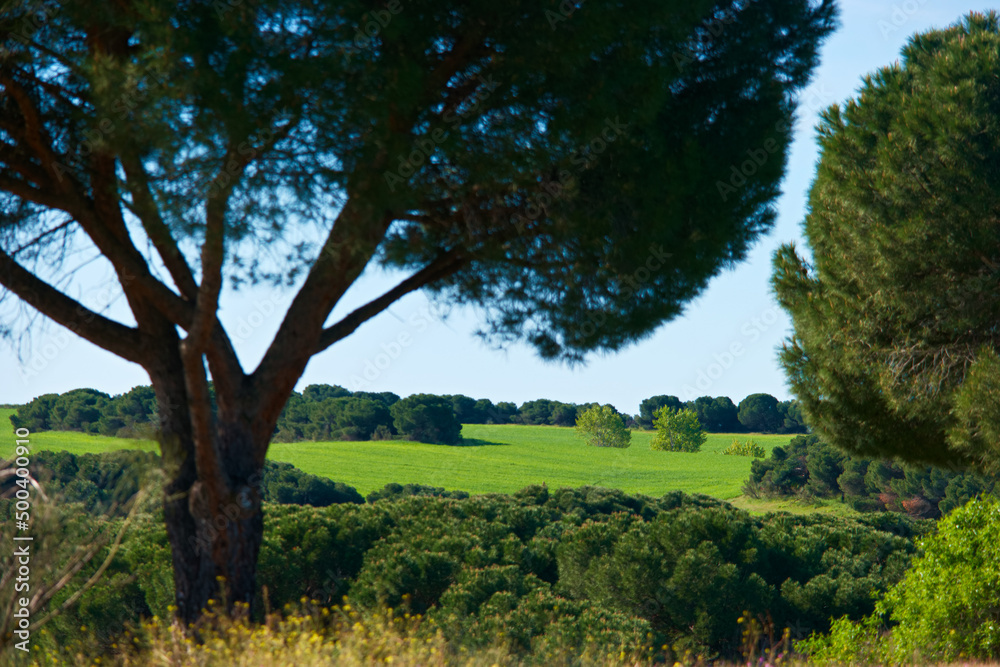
603,427
677,430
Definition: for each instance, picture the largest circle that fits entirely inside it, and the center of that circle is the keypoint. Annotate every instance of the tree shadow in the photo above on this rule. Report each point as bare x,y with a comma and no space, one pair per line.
476,442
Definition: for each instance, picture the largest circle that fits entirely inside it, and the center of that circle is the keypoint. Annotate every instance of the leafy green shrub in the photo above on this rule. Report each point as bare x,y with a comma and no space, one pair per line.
427,418
745,448
602,426
942,610
677,431
946,605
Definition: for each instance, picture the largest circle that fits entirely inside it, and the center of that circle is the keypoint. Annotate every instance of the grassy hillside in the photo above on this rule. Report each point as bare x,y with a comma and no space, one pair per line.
495,459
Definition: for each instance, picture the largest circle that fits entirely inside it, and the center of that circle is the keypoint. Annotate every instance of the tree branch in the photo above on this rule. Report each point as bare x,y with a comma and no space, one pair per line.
146,210
112,336
445,264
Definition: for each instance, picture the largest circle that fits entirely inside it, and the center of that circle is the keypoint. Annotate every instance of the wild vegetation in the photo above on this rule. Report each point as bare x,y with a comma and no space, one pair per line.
547,204
553,569
810,468
491,459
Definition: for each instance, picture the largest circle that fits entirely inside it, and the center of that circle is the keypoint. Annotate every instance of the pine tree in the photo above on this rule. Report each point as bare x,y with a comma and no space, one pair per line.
896,318
576,171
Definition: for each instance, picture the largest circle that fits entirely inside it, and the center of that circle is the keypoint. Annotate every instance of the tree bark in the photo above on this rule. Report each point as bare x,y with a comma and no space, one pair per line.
215,525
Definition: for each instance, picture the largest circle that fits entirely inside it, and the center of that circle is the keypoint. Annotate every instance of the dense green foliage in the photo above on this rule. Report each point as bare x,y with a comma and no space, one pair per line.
393,491
132,414
602,426
809,466
426,418
649,406
342,418
717,415
677,430
758,413
588,562
894,350
944,608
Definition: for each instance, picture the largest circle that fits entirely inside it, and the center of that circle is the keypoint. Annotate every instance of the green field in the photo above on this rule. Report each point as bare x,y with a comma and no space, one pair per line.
495,459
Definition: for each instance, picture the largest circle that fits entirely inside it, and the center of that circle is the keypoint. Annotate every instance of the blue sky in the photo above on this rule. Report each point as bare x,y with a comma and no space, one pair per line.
725,344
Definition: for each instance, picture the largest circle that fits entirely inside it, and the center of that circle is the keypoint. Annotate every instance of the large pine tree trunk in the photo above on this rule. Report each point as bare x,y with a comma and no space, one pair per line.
215,526
215,536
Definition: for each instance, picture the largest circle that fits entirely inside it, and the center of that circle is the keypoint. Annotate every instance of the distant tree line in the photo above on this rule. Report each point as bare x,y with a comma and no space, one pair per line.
811,468
757,413
331,412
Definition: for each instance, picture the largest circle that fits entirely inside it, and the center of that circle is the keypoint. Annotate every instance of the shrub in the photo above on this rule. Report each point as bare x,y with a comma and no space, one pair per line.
677,431
602,426
942,610
946,605
427,418
745,448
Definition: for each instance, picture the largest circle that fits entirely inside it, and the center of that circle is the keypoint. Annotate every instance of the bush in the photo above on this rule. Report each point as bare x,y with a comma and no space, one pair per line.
745,448
946,605
677,431
602,426
427,418
944,608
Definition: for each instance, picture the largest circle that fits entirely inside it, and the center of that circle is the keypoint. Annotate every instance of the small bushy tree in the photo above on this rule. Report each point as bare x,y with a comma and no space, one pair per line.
677,430
603,427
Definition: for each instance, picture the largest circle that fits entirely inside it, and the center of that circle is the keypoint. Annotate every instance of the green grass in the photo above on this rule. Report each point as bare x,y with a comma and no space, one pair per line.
71,441
507,458
760,506
496,459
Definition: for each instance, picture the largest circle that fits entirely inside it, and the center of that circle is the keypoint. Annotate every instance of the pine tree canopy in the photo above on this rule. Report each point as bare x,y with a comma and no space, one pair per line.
897,318
571,169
